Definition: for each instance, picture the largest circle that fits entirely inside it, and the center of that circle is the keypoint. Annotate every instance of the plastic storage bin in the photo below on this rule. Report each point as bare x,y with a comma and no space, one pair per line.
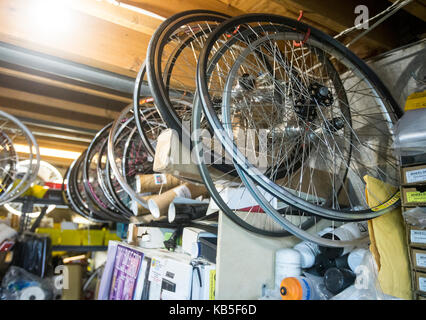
110,236
70,238
92,237
54,234
208,248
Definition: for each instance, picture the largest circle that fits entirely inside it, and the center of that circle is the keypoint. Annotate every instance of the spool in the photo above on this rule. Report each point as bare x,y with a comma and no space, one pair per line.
323,263
287,264
157,182
355,258
179,212
309,250
336,280
32,293
159,204
297,288
346,232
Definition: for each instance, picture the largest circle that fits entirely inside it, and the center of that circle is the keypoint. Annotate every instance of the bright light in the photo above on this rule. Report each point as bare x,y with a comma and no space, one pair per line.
49,152
48,17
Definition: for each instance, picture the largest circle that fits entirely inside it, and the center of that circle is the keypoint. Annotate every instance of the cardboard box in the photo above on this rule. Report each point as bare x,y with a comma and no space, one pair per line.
171,279
416,236
414,175
418,259
75,279
190,237
414,196
420,282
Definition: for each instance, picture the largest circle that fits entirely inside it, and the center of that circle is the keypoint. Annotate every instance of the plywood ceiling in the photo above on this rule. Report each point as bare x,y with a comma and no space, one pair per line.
66,114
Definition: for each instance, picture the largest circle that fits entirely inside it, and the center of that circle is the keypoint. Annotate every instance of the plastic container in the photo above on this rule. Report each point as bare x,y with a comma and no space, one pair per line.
207,248
346,232
110,236
298,288
336,280
323,263
92,237
287,264
355,258
309,250
54,234
70,238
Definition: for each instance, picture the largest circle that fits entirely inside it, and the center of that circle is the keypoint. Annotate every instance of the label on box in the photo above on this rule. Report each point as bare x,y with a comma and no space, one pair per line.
421,259
415,175
422,284
414,196
418,236
160,179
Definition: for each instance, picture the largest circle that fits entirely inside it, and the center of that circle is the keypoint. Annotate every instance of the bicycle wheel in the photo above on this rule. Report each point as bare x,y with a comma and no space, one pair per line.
93,182
319,99
14,133
149,124
132,157
171,62
230,194
73,201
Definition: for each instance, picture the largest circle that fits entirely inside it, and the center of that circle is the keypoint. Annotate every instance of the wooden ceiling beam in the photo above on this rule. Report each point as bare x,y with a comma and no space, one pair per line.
80,37
415,8
169,8
115,14
16,111
331,17
56,103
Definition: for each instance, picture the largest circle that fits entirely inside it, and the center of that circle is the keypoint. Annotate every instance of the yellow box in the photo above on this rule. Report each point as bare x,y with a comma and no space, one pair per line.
54,234
92,237
71,238
415,101
110,236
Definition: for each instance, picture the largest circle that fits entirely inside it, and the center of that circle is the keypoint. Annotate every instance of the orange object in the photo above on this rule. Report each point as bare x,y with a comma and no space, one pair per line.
291,289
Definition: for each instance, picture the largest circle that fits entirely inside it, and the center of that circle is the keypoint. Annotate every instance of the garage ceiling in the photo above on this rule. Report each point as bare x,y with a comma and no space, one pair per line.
67,66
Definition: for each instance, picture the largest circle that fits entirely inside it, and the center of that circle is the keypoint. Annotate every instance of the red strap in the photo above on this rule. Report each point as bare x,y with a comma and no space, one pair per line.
233,33
307,34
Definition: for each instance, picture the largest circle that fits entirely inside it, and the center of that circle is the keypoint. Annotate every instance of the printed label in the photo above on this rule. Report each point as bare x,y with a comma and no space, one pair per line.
387,204
414,196
415,175
421,259
422,283
212,288
418,236
160,179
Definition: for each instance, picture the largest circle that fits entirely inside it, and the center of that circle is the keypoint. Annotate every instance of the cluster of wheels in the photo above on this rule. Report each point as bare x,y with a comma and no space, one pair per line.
299,120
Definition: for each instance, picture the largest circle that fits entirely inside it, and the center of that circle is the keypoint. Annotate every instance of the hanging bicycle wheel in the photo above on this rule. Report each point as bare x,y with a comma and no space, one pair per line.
318,119
130,157
46,173
253,209
230,194
73,200
94,183
110,186
16,144
149,124
172,59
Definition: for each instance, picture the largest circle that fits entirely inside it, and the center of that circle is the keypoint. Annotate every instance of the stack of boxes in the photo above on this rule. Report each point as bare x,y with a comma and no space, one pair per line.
413,194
